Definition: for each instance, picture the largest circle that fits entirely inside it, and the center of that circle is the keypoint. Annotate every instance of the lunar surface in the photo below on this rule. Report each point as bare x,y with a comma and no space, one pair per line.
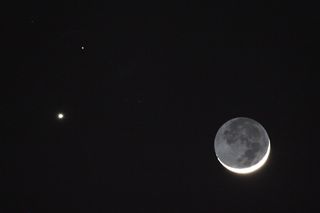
242,145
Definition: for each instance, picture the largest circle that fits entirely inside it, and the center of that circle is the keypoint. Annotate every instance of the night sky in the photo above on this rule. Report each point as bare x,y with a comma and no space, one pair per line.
144,87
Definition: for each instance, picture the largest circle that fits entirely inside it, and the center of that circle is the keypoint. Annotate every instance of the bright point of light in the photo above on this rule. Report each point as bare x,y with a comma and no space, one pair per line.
251,168
82,47
60,115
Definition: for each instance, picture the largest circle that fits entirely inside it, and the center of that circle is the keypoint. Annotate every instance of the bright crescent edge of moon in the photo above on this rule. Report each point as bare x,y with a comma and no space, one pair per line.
251,168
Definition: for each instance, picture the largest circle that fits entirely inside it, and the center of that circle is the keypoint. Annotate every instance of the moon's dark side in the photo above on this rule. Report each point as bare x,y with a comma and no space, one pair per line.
241,143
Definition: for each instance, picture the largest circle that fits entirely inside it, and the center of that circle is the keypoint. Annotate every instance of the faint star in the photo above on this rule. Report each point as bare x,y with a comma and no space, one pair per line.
82,47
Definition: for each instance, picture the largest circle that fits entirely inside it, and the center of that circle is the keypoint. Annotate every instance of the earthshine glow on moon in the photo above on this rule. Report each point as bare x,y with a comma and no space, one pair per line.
242,145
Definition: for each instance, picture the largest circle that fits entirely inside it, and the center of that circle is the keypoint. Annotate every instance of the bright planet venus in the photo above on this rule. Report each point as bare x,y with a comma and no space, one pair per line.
60,116
242,145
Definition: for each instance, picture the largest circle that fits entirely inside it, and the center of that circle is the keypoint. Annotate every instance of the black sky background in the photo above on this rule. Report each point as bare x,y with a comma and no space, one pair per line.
144,99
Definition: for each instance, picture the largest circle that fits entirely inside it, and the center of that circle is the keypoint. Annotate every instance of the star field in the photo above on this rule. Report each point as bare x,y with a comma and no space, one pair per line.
113,106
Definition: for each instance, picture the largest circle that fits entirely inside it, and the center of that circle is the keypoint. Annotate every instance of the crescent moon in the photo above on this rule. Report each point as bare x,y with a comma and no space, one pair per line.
242,145
251,168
